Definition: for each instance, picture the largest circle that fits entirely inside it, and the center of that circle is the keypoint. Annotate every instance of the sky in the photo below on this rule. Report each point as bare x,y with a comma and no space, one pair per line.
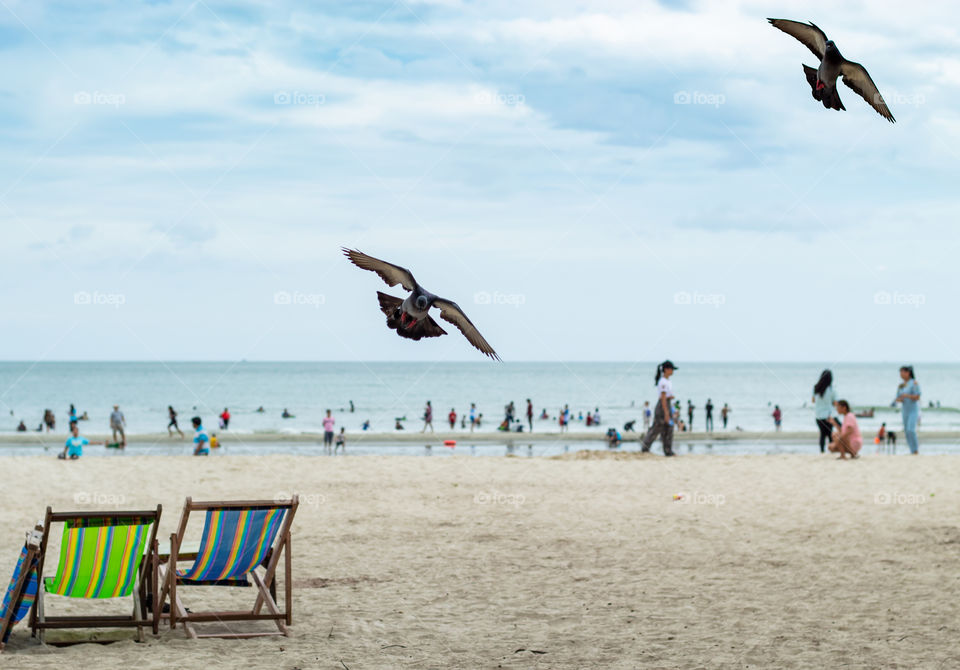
588,180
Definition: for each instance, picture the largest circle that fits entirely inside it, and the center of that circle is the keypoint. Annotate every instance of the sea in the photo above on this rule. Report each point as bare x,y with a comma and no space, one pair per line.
384,393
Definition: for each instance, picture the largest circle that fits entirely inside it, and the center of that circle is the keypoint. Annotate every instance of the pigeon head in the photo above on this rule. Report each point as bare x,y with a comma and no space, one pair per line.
422,302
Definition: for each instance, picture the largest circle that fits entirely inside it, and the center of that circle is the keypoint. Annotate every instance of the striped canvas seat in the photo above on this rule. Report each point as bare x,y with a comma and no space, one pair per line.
234,542
99,559
22,591
29,594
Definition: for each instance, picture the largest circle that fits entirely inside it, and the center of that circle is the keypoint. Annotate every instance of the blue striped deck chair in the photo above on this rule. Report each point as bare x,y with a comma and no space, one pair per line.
240,540
101,556
22,591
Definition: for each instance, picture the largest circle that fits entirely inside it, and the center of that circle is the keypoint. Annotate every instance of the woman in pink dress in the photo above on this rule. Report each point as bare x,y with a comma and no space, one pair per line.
847,440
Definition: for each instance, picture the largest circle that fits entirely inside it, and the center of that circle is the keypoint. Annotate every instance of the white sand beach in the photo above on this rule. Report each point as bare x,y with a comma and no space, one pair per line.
586,561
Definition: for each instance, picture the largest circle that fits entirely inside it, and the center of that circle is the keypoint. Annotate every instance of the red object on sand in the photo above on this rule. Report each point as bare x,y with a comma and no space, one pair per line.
450,443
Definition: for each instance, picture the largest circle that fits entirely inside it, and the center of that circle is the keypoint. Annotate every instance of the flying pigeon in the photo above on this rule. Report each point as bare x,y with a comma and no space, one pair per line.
823,80
410,316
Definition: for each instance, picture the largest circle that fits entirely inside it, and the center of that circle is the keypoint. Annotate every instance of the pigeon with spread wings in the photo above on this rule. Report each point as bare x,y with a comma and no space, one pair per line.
410,316
823,80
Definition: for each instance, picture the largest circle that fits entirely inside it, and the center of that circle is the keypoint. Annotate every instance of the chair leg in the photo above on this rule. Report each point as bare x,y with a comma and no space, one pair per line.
42,617
268,601
137,613
155,586
288,581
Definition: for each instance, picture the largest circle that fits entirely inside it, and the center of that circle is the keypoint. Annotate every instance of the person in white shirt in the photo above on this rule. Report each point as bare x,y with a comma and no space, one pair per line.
117,423
824,403
662,415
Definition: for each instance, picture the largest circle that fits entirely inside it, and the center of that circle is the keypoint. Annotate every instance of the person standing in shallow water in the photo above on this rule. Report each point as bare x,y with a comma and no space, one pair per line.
173,421
662,414
908,394
328,423
824,402
427,417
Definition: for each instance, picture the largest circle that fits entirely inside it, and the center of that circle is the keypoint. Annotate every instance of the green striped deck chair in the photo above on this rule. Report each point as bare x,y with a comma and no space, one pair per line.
102,556
22,591
240,540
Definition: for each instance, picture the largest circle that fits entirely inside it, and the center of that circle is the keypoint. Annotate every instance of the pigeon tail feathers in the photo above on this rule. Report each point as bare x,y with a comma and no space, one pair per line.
822,93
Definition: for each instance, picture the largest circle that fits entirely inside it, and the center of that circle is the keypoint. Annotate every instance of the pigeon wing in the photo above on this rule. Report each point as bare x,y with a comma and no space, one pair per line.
808,34
451,313
429,328
390,273
856,77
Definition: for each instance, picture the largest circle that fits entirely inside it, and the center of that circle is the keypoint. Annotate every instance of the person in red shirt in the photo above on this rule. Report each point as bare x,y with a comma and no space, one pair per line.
225,419
452,418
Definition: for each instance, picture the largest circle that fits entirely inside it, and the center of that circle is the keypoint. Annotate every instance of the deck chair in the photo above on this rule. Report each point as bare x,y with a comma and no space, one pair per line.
238,538
101,556
22,590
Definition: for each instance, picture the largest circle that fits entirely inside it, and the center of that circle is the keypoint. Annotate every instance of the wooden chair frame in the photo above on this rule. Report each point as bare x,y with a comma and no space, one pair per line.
144,590
265,585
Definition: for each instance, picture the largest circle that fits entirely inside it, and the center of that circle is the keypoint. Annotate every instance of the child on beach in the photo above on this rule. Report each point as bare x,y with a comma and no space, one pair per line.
73,449
848,439
881,437
647,415
341,441
452,418
777,417
200,439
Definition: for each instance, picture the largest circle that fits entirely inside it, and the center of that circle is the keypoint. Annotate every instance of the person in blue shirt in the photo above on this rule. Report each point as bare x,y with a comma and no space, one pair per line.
200,440
73,449
908,394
